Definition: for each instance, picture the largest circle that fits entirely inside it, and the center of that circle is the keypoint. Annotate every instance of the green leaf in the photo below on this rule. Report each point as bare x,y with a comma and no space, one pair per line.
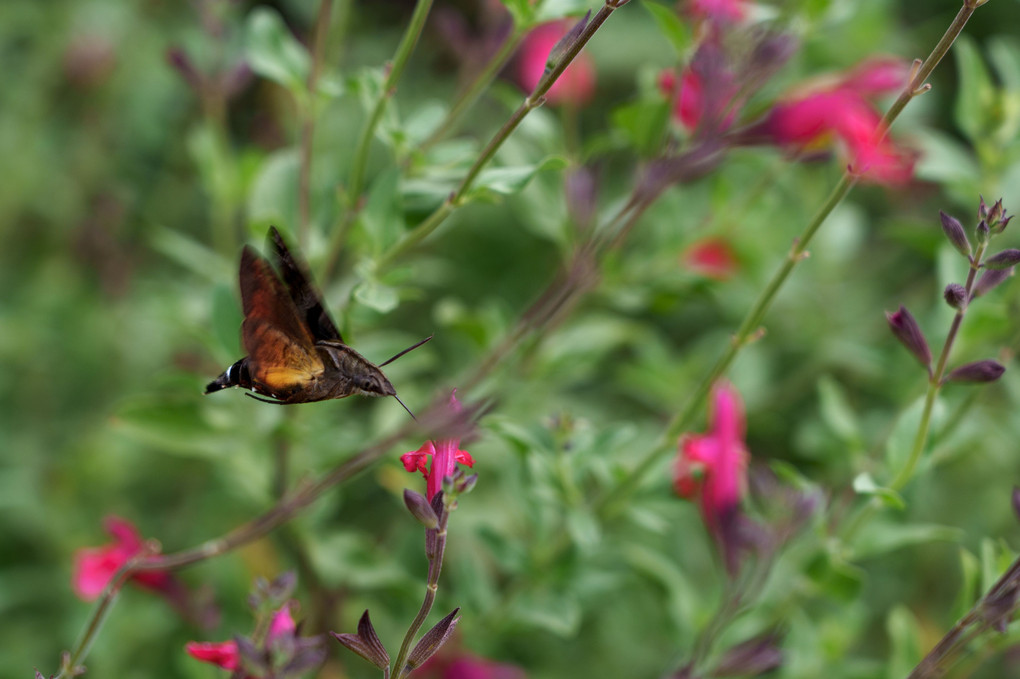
836,577
274,53
553,610
377,296
883,537
643,124
509,180
865,485
836,411
226,320
382,219
976,93
191,254
670,24
970,576
904,642
273,192
550,10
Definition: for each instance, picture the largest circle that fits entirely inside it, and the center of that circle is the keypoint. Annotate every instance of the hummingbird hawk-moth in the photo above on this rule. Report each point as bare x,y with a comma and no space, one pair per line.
295,352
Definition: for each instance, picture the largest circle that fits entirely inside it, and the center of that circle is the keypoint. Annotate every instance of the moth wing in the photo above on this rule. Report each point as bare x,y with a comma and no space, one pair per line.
303,294
281,351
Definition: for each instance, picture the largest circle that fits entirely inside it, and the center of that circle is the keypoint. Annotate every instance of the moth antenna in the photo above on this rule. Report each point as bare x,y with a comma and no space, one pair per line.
411,348
397,397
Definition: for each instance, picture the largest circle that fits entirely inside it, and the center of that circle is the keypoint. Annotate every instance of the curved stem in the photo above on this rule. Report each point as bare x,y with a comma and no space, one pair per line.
532,101
473,91
396,69
435,558
613,500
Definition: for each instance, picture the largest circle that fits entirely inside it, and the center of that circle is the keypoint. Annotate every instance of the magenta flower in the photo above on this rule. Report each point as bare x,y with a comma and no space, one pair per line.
576,85
708,91
841,112
712,468
459,665
227,655
711,257
94,567
438,460
719,10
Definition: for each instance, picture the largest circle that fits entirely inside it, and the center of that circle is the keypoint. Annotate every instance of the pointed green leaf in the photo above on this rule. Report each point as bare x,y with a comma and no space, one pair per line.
273,52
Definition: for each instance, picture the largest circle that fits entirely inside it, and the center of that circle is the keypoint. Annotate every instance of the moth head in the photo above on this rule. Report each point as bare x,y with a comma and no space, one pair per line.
373,384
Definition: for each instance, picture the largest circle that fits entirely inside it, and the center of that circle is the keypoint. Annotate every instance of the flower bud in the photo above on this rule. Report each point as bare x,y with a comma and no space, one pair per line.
982,232
1003,260
420,508
432,640
978,371
990,279
956,296
953,229
909,333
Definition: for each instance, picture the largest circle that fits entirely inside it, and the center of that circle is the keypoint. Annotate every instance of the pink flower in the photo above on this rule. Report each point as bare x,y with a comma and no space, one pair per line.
719,10
842,112
438,460
707,89
576,85
712,468
95,567
226,654
712,257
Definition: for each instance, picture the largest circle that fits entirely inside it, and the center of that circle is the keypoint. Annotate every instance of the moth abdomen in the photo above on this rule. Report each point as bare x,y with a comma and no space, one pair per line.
236,375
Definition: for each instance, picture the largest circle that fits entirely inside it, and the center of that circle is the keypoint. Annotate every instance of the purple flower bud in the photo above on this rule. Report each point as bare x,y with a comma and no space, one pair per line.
420,508
433,640
750,658
909,333
994,214
181,62
565,43
956,296
990,279
982,209
978,371
1003,224
366,643
1003,260
953,229
982,232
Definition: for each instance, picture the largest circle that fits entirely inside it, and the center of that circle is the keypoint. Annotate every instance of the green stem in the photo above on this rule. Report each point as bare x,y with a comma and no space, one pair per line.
396,69
435,567
473,91
531,102
935,382
308,125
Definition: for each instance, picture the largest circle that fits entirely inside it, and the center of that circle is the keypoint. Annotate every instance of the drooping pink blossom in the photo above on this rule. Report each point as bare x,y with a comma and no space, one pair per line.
576,85
226,654
437,460
712,468
711,257
94,567
840,111
708,96
460,665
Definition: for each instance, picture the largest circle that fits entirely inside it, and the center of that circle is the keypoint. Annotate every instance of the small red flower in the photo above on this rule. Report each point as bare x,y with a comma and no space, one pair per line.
576,85
458,665
438,460
842,112
712,467
226,654
95,567
712,257
708,92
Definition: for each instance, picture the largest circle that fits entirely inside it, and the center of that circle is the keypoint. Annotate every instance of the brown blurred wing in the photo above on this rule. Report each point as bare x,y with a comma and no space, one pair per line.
303,293
281,352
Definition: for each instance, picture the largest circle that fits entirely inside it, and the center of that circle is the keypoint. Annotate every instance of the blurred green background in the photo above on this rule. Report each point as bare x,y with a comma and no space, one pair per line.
126,197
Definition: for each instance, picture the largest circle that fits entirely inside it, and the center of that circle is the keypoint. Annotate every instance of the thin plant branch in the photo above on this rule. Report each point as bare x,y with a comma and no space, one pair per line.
308,125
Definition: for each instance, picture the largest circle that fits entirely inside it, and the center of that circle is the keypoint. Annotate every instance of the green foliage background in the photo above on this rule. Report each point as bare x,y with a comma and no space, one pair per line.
118,207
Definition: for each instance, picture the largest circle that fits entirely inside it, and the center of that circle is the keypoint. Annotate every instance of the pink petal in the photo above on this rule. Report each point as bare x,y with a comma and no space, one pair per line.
711,257
123,533
282,623
93,569
222,654
720,10
575,85
878,76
